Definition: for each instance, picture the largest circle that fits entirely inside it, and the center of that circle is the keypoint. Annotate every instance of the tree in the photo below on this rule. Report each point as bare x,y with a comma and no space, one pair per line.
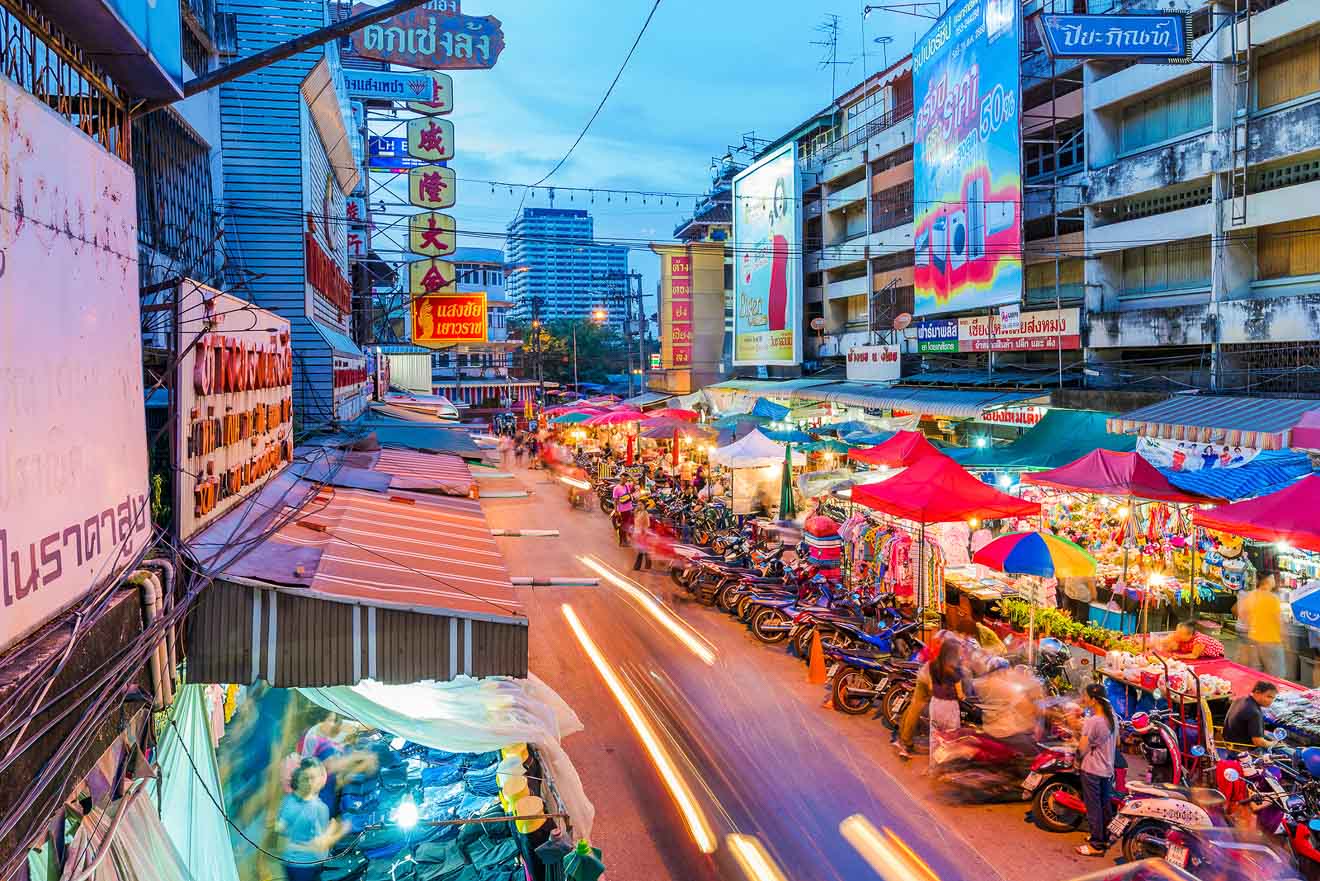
599,350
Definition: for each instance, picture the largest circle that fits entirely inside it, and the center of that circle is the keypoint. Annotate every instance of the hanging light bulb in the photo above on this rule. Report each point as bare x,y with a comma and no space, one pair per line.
406,813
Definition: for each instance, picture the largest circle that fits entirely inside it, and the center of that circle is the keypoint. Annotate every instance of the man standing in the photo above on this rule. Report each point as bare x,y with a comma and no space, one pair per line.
1262,612
1245,723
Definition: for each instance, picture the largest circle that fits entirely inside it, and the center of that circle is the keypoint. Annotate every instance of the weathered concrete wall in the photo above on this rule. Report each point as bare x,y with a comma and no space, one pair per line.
1154,169
1275,319
1287,132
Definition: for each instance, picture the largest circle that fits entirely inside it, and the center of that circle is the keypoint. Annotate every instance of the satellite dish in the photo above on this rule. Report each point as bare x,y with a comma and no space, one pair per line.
818,323
902,320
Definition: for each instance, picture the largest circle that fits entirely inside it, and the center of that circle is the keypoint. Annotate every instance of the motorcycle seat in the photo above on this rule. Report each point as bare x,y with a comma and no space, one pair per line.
1206,798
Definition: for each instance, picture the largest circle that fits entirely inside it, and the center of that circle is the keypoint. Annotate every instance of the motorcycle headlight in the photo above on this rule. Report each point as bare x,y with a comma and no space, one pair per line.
1294,803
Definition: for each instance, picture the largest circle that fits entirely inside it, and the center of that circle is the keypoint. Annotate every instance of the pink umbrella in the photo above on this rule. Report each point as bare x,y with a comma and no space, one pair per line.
675,413
618,417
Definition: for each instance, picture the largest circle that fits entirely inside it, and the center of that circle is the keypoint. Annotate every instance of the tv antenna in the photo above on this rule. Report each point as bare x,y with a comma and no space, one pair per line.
829,28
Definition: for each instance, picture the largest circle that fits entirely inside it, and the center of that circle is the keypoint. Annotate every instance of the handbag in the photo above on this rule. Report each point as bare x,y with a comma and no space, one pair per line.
944,714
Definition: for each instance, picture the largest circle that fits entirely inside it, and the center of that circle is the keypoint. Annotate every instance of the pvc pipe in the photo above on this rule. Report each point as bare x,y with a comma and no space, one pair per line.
492,475
527,533
506,494
530,581
166,576
150,609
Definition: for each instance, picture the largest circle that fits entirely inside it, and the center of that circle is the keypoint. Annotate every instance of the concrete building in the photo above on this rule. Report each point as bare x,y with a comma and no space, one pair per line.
557,269
712,222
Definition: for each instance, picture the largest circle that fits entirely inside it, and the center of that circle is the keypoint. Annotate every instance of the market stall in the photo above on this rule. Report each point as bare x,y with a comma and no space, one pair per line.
755,463
899,451
1061,437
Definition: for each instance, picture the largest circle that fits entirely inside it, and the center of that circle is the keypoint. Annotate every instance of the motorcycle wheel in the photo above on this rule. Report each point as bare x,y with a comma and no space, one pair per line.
682,576
607,504
702,536
894,704
1148,838
726,597
802,643
766,617
845,702
1050,816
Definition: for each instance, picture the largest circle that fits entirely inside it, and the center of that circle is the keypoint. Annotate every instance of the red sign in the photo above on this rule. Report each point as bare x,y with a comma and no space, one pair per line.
431,39
680,310
325,276
442,319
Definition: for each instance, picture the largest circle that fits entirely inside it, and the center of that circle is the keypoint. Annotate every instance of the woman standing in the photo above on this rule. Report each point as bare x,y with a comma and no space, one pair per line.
1097,748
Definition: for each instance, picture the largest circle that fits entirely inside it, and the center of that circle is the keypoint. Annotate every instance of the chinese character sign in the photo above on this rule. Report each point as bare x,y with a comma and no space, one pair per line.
430,139
968,159
680,310
445,319
768,270
430,276
442,96
431,186
431,234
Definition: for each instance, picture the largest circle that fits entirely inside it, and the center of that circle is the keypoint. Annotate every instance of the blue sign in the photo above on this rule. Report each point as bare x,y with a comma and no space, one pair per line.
1117,36
383,152
937,336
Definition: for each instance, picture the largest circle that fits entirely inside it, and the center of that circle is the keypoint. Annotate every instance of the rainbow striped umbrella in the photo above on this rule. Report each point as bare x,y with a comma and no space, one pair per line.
1036,553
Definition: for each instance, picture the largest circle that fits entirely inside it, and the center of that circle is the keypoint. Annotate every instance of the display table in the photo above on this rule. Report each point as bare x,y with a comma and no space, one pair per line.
1241,677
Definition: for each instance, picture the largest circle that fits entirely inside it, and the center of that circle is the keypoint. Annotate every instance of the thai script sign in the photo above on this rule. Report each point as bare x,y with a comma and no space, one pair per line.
431,39
967,237
937,336
680,310
325,276
446,319
1023,417
874,363
389,85
1045,330
767,275
1163,36
235,403
74,509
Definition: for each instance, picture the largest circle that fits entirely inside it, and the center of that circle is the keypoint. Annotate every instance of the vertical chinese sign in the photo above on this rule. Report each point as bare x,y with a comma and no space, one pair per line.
431,235
680,310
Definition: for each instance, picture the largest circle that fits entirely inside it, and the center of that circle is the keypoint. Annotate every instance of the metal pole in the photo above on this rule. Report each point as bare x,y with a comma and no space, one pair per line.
577,387
641,334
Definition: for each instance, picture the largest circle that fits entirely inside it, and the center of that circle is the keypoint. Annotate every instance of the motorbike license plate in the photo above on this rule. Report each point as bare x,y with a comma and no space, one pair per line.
1032,781
1177,855
829,674
1117,825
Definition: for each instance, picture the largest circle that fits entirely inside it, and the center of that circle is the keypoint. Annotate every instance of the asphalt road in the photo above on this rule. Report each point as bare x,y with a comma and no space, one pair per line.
746,735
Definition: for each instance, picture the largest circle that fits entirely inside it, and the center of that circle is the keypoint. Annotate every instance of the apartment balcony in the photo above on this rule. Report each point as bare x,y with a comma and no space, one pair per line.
893,136
895,238
1278,134
852,287
1163,166
843,252
838,200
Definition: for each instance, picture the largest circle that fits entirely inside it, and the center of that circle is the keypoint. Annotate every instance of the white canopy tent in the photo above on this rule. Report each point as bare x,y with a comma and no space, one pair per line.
755,450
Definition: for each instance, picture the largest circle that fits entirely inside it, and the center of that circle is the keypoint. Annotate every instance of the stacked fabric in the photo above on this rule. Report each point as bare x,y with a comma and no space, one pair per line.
824,544
442,786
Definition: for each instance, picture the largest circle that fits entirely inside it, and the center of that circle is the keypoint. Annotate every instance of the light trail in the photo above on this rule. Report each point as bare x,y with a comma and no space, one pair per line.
885,852
678,788
753,859
661,613
574,482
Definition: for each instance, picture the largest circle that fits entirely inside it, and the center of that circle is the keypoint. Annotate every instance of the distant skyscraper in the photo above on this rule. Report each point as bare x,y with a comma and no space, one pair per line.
553,256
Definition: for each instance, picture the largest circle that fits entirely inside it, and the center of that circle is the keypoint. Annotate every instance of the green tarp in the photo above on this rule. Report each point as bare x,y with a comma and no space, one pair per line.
1062,436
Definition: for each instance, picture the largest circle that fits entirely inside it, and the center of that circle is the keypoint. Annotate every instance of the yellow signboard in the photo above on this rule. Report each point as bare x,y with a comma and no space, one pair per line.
431,186
430,277
431,139
431,234
442,96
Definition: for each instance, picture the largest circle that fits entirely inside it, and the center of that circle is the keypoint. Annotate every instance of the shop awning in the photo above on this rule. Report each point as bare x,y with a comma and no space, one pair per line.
1105,472
903,449
767,409
1060,437
339,342
647,399
937,489
1264,423
754,451
352,572
1270,471
956,403
1287,515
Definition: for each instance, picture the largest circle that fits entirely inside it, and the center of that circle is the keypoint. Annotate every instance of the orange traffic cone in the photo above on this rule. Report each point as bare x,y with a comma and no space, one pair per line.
816,661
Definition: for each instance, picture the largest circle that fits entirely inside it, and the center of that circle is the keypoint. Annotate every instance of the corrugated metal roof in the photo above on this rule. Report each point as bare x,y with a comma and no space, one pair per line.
339,342
1264,423
771,386
958,403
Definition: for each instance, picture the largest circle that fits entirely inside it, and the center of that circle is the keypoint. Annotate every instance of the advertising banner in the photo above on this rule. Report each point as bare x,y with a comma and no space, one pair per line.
394,85
680,311
1192,456
430,39
1045,331
1144,35
968,160
431,234
430,139
937,336
74,509
446,319
767,278
430,186
874,363
235,403
430,277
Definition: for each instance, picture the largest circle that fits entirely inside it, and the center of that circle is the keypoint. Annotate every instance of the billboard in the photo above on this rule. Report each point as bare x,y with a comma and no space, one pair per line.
767,278
1044,330
74,509
967,237
446,319
435,89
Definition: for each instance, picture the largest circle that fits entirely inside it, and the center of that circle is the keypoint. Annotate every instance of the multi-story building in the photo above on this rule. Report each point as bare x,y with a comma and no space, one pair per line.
712,222
556,269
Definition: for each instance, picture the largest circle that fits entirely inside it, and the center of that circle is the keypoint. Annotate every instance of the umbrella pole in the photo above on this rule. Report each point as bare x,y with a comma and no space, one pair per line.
921,576
1031,634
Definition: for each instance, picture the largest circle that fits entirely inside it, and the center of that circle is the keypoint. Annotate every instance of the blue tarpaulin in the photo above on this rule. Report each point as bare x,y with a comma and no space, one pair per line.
792,436
1269,472
769,409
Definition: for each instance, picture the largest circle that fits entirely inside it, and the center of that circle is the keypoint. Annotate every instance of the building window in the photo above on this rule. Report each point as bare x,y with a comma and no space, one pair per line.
892,207
1166,116
1068,154
174,201
1285,250
1287,74
1040,280
1172,266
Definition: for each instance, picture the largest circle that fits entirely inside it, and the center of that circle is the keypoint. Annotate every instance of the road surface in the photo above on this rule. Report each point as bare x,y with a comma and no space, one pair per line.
747,734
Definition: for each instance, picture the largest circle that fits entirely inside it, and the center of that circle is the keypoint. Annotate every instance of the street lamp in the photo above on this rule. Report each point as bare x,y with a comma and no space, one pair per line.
597,315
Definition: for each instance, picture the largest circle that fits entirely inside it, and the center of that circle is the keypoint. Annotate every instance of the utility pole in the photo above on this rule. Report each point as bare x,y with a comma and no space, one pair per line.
642,324
536,347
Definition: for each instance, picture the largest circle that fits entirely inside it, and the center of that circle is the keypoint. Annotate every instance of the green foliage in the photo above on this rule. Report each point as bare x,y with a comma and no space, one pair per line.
160,503
1057,623
599,349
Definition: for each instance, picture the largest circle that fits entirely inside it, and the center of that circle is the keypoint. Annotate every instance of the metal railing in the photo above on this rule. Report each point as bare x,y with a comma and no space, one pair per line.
859,135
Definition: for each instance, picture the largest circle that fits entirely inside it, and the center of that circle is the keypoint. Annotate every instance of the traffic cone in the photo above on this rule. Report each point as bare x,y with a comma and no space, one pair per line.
816,661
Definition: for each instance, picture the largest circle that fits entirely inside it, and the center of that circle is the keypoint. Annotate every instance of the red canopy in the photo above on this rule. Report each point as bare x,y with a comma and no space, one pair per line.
901,450
1114,474
1287,515
938,490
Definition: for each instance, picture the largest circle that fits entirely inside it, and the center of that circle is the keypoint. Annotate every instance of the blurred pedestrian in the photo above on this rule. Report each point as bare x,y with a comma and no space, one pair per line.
641,537
1262,612
1097,748
304,829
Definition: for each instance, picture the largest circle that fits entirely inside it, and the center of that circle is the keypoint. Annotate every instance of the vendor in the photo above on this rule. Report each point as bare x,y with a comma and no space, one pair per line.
1245,723
1188,644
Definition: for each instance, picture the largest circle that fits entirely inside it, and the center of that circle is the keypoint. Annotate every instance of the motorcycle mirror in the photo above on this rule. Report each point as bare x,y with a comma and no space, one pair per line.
1157,695
1232,775
1314,825
1140,720
1198,751
1279,734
